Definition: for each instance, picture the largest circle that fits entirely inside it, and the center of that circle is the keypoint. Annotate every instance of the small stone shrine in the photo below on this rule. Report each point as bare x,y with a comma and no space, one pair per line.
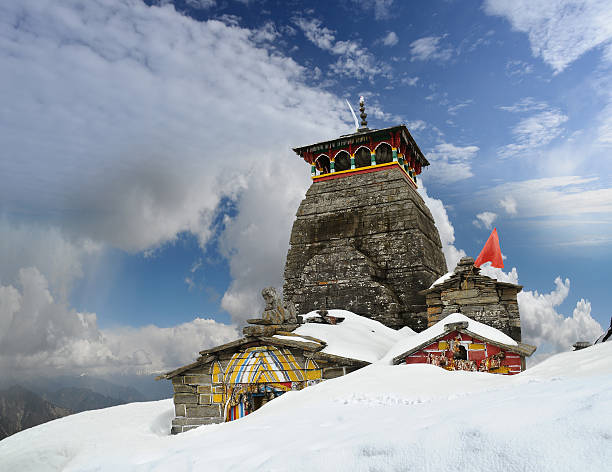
363,239
457,342
477,296
232,380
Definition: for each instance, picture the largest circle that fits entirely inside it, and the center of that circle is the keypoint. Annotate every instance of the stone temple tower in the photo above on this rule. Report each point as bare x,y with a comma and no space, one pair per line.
363,239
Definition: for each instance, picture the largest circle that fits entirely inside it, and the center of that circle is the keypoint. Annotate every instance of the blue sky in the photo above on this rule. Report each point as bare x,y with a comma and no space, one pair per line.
148,186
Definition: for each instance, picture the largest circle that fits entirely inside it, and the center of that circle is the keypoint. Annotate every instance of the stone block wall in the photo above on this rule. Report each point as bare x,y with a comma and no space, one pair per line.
366,243
198,397
478,297
193,403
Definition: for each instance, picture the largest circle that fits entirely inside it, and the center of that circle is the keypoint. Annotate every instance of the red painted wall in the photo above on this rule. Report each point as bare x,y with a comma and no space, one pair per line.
490,359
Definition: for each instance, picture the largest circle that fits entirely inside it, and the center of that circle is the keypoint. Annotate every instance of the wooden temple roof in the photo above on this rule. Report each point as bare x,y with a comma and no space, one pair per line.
396,136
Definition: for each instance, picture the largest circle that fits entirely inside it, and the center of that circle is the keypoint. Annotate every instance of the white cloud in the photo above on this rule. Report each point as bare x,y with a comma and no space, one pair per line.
354,60
445,229
30,245
382,8
427,48
509,204
517,68
146,122
559,31
257,239
168,106
39,333
543,326
410,81
451,163
524,105
485,219
416,125
390,39
452,110
567,210
534,132
556,196
201,4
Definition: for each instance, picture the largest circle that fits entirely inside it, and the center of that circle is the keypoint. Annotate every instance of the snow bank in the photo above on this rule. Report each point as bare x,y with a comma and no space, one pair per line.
554,417
356,337
412,341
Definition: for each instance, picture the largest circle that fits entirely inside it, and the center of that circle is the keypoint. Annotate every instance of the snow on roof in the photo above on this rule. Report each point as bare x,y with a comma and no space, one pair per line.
442,279
488,271
357,337
407,343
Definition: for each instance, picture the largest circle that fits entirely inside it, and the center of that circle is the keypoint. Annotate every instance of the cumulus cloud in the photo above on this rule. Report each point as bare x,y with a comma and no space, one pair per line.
445,229
38,332
428,48
559,31
485,219
543,326
508,203
452,162
256,239
155,149
390,39
46,247
158,161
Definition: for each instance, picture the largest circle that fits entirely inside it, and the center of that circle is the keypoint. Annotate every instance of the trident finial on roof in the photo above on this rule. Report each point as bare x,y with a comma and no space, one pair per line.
364,123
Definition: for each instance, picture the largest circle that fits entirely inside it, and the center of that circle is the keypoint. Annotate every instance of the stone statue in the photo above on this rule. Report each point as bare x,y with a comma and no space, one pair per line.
275,312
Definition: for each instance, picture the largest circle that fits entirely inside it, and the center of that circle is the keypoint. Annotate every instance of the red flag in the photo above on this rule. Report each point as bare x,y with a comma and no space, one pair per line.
491,252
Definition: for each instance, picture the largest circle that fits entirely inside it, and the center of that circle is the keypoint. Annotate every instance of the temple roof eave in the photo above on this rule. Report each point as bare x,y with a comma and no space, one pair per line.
354,137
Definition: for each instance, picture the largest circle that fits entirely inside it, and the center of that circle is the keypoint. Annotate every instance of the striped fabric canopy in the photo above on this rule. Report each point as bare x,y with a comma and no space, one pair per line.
263,364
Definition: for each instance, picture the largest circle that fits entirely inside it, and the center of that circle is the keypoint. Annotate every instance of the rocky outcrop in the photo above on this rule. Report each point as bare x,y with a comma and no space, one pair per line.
365,243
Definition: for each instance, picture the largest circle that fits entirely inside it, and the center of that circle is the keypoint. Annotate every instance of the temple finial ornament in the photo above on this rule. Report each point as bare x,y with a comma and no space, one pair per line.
364,123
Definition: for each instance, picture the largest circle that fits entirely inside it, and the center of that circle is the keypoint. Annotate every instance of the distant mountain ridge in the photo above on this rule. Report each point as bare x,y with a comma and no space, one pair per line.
21,409
80,399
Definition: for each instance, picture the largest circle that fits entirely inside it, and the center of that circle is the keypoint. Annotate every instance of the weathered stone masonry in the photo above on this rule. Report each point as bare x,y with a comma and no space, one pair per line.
365,243
477,296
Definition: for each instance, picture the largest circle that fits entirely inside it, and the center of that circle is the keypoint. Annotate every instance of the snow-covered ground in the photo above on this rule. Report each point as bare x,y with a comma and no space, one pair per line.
556,416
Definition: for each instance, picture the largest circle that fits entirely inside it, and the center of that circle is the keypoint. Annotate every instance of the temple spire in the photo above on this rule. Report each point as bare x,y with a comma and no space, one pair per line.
364,123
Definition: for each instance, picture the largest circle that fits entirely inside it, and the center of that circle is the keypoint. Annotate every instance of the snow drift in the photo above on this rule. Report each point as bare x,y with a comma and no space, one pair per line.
553,417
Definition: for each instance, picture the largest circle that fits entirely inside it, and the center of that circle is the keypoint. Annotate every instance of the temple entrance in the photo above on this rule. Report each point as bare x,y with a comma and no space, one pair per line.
247,398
